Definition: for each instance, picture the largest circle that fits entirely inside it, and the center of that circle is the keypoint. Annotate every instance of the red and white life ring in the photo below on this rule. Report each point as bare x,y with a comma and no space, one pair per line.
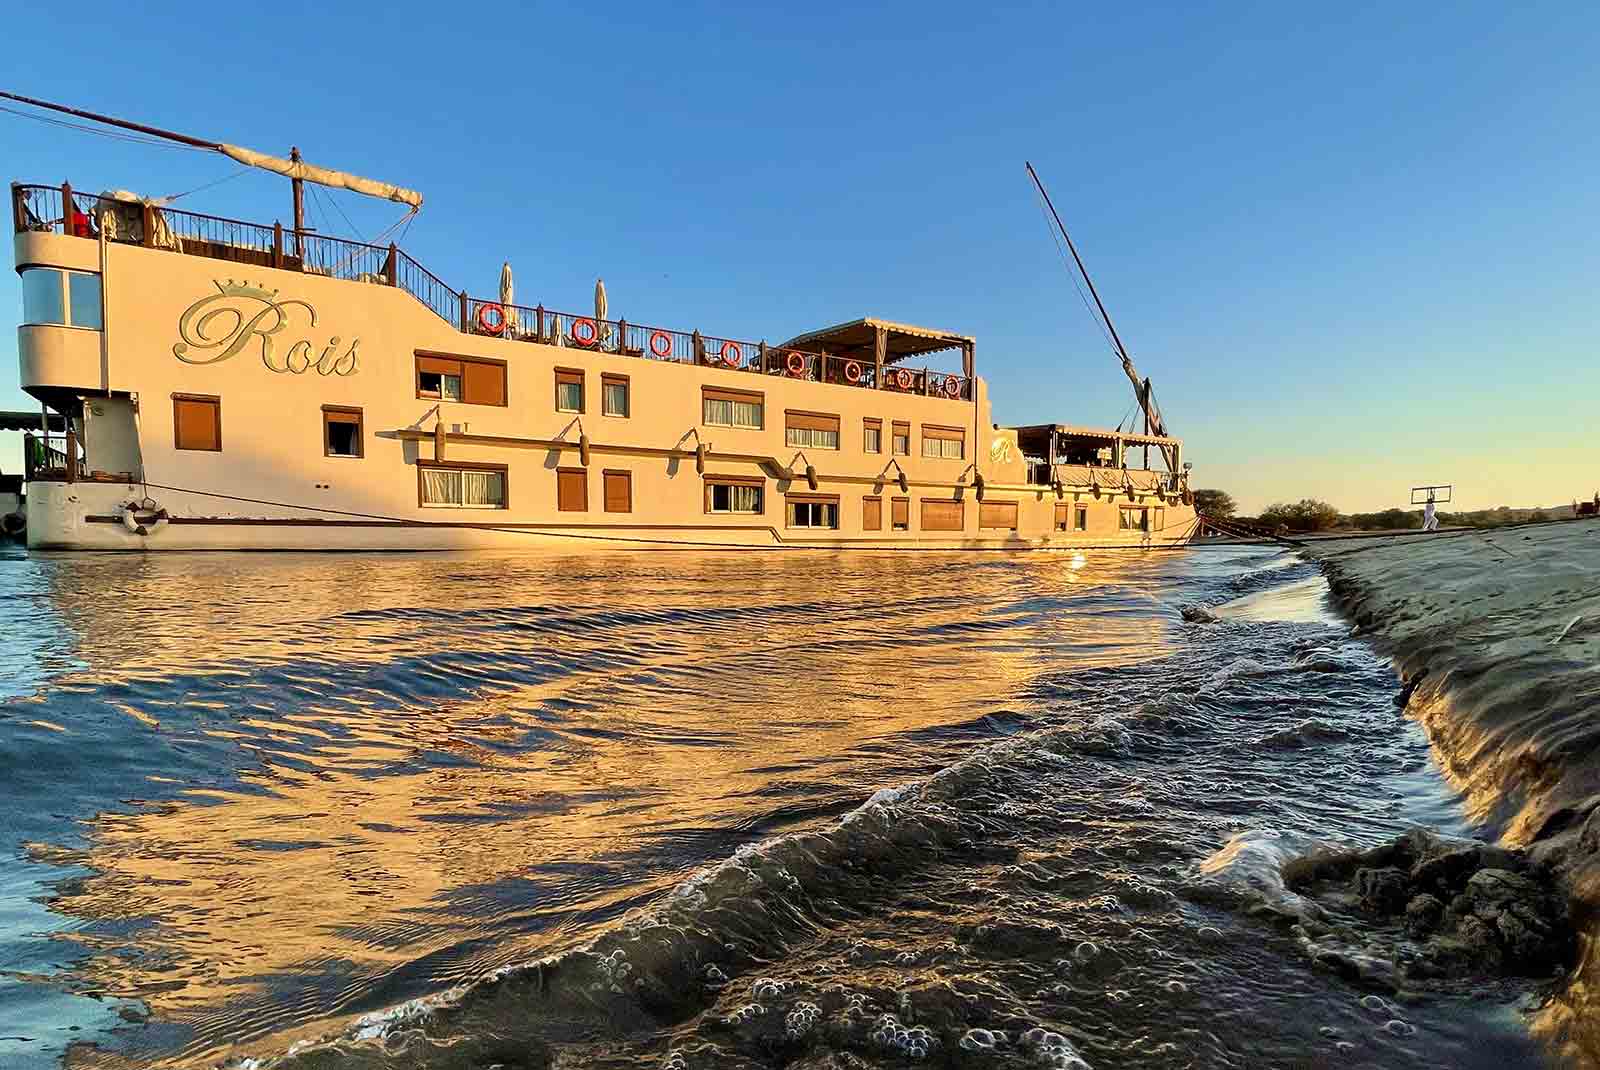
491,318
796,364
852,372
952,388
583,331
661,343
732,355
902,379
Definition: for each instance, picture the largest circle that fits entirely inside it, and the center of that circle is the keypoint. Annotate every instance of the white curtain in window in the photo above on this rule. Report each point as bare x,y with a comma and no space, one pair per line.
746,499
746,414
441,486
482,488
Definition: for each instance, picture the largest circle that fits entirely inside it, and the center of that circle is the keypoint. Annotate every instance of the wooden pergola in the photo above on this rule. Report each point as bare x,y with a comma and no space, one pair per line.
884,343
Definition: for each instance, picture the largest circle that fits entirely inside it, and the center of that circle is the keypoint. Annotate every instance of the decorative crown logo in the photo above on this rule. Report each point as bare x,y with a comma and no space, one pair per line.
259,291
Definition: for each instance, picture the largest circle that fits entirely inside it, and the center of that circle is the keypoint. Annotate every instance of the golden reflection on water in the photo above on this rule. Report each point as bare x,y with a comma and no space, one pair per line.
443,763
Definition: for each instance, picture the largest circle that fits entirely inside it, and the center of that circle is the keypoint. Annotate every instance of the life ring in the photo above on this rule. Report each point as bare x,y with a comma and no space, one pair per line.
952,388
796,364
13,524
852,372
732,355
661,343
491,318
155,519
902,379
583,331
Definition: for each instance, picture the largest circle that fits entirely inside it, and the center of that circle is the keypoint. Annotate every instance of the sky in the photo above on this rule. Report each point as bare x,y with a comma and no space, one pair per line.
1355,248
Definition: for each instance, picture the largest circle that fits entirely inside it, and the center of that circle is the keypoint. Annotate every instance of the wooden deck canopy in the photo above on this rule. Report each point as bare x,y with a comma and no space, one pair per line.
1041,440
883,342
28,421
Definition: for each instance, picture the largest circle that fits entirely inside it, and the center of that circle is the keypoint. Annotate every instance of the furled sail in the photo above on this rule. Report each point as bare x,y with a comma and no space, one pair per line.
323,176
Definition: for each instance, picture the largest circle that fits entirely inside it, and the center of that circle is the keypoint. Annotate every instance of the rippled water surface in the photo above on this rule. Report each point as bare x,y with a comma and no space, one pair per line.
251,801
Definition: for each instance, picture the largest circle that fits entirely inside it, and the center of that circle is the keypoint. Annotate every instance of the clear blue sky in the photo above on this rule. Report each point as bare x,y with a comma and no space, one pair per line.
1355,249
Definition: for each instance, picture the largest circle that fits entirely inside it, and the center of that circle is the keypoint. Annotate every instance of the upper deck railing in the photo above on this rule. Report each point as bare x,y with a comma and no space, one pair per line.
46,208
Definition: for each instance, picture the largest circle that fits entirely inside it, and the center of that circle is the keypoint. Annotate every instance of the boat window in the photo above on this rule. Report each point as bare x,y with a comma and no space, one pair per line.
196,422
464,379
1061,516
900,515
1133,518
68,298
1080,518
811,511
871,514
569,390
341,431
1001,515
872,435
461,487
727,494
617,490
902,439
946,443
1158,519
572,490
810,430
942,514
732,408
614,395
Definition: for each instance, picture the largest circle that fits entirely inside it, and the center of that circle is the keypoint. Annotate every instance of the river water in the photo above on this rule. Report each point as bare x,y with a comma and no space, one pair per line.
736,811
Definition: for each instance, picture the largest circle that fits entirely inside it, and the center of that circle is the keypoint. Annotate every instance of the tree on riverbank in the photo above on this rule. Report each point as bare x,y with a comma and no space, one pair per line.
1217,503
1307,514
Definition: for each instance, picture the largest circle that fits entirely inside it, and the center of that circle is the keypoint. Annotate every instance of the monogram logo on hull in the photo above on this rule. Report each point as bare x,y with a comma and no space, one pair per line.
222,325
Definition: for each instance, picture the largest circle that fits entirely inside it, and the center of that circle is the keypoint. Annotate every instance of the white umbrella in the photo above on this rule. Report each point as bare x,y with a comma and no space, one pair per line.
600,310
506,291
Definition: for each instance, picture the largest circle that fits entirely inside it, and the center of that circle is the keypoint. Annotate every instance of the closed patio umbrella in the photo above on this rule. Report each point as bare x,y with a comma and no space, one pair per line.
600,308
506,291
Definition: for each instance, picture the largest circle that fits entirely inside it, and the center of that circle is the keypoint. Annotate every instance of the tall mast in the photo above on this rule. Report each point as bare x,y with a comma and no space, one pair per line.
1141,387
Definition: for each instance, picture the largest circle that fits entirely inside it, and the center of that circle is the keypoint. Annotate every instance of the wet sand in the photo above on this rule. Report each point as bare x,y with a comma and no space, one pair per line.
1496,636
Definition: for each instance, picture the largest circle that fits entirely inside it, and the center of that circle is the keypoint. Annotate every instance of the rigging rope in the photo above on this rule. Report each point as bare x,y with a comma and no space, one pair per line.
1083,297
115,135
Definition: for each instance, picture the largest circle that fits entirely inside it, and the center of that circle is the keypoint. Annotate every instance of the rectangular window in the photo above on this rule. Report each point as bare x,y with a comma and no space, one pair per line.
1130,518
902,439
812,511
468,380
341,431
900,514
945,443
810,430
572,490
1158,519
1061,519
731,494
872,435
942,514
457,486
1080,518
614,395
83,300
998,515
569,390
617,488
871,514
732,408
197,422
43,300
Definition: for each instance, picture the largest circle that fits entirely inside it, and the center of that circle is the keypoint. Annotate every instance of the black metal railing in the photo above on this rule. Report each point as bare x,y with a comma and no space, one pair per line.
60,209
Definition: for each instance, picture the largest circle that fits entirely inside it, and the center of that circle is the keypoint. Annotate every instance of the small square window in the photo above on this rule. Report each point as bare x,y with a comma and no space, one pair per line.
341,432
196,422
613,395
569,390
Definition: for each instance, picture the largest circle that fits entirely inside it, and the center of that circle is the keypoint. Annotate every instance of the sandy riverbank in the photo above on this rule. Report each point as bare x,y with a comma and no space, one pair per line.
1497,635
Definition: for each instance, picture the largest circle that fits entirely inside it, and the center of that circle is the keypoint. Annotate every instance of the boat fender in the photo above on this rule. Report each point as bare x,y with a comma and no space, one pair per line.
796,364
660,344
902,379
852,372
1060,491
732,355
700,459
583,449
1188,496
583,331
491,318
438,440
977,482
811,476
905,484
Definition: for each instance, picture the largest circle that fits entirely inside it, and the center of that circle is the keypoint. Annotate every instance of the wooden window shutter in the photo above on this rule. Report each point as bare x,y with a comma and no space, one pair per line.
939,514
572,490
618,491
901,514
197,423
811,421
438,366
950,434
871,514
1061,516
998,515
483,383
